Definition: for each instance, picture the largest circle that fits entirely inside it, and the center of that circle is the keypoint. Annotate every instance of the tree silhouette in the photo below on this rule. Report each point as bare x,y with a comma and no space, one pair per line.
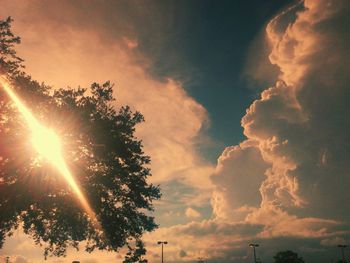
287,256
136,254
100,148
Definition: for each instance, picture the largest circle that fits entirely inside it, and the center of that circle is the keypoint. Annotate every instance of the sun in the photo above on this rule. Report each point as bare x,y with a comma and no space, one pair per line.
46,142
48,145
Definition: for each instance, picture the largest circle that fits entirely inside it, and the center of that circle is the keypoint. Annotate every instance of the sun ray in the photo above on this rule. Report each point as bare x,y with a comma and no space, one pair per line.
48,145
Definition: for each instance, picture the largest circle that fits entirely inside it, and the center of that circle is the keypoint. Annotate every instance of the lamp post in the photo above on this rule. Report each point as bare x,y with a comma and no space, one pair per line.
254,246
162,243
342,251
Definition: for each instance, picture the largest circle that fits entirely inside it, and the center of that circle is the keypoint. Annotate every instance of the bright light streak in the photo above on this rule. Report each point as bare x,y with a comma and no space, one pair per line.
48,145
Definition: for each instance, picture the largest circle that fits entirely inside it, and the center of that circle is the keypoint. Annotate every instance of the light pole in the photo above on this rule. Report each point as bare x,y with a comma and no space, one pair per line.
162,243
254,246
342,251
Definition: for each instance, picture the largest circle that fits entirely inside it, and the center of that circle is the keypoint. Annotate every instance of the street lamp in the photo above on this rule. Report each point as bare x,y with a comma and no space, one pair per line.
254,246
342,247
162,243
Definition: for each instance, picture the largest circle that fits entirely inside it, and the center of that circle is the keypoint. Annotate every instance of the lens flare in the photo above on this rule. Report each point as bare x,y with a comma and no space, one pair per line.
48,145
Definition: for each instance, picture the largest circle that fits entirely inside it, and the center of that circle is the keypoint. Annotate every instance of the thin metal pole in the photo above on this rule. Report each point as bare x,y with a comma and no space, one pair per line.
254,246
342,247
162,253
162,243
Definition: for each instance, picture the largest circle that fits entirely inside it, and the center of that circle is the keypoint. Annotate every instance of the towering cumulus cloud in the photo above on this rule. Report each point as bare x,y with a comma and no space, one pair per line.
287,185
292,173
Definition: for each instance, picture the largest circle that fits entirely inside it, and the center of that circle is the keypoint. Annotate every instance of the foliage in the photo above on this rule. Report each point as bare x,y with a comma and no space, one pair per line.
9,62
136,254
101,149
287,256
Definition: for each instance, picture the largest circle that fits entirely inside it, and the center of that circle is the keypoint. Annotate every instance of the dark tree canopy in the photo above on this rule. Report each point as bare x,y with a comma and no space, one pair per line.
287,256
101,150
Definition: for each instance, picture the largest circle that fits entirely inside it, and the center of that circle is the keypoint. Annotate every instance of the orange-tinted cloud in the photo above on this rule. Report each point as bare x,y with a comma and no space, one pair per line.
299,128
62,51
64,44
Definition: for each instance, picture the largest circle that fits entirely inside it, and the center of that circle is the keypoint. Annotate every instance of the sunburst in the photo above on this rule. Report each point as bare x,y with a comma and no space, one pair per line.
48,145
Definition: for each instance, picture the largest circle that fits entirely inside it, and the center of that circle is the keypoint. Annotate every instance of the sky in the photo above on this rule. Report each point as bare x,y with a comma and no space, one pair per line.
246,108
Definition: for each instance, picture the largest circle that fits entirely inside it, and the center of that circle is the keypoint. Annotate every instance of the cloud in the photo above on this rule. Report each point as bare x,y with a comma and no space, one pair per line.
19,247
285,185
90,261
238,177
65,51
192,213
67,45
20,259
220,241
298,125
291,174
215,227
206,239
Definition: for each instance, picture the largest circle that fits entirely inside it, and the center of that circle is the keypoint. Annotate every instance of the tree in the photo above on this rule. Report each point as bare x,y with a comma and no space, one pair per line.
102,151
136,254
10,63
287,256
